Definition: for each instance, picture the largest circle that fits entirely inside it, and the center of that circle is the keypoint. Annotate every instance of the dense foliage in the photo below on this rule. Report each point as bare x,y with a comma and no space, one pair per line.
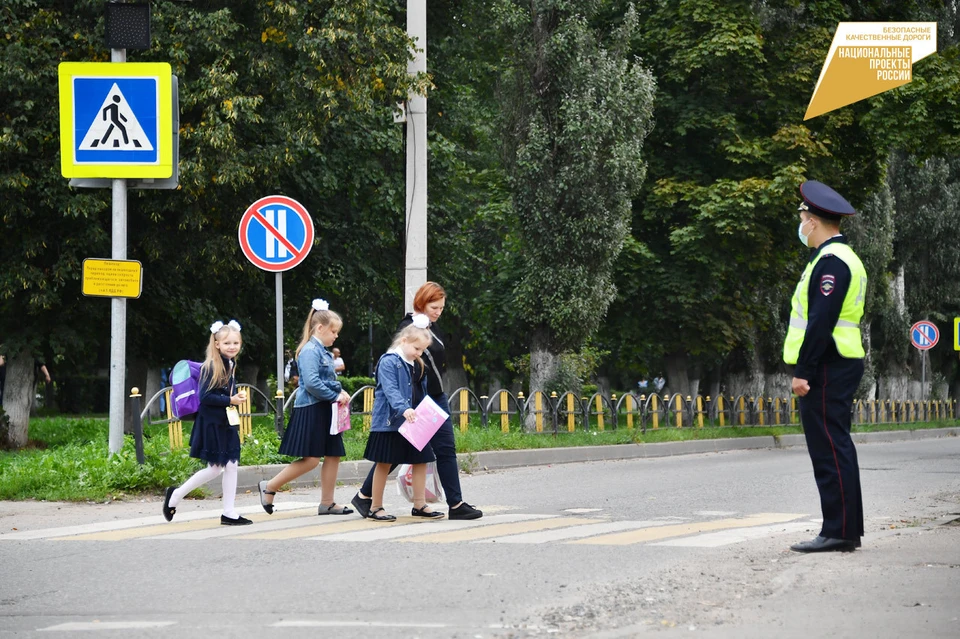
604,179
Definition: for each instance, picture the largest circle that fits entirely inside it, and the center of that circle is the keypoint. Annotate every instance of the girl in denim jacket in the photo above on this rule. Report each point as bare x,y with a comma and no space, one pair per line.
308,432
401,384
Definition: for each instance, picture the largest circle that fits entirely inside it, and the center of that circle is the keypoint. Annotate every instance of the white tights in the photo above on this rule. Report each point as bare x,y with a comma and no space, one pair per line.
207,474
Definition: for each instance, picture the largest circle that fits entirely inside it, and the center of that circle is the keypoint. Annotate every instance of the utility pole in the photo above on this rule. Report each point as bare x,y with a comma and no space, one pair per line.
415,274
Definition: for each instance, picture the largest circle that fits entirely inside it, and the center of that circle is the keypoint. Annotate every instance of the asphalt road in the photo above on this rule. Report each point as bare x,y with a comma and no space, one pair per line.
693,545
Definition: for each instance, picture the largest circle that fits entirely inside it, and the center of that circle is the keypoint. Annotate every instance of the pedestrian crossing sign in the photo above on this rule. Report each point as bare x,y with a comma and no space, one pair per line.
116,120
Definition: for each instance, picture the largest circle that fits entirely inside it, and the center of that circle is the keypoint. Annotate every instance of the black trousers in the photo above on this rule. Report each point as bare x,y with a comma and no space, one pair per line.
825,413
445,448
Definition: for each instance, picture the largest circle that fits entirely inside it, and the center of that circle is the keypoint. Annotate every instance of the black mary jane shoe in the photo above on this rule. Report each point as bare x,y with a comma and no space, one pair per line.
262,488
379,515
239,521
825,544
168,512
429,514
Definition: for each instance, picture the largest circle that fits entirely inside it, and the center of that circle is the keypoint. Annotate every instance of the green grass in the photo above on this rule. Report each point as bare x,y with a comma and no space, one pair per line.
68,458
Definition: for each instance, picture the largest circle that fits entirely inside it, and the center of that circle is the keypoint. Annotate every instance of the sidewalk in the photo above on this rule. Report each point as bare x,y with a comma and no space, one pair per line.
356,471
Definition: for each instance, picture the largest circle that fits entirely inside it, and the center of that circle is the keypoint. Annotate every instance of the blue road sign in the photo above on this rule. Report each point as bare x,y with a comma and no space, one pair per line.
924,335
276,233
115,120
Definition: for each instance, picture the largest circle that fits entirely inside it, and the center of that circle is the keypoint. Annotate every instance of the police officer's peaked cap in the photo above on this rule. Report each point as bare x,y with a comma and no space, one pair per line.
820,199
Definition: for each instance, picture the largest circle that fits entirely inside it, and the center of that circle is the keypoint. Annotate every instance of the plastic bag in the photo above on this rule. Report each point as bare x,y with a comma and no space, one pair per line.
434,491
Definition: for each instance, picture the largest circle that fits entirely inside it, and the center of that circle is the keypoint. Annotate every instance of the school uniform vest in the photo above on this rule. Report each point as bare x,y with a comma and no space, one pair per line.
846,334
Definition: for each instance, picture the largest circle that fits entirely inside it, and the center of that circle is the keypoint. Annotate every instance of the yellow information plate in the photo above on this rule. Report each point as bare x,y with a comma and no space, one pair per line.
112,278
956,333
116,120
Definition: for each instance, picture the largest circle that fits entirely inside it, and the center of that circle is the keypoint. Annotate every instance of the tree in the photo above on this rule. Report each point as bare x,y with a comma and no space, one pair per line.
577,108
271,95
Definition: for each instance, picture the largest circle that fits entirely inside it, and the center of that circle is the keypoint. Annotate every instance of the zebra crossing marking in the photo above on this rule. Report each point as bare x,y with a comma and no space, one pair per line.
299,521
559,534
395,532
678,530
498,530
736,535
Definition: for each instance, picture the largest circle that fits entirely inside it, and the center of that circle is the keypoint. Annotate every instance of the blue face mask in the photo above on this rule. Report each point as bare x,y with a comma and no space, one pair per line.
803,238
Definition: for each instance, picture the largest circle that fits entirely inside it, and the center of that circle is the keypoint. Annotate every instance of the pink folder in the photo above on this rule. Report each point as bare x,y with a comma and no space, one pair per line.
430,418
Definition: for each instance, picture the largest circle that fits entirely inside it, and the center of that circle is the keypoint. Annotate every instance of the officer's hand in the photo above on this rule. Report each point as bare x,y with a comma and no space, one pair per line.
800,387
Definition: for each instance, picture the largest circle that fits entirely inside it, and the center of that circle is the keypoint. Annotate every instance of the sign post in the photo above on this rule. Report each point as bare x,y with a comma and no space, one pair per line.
276,234
116,122
924,335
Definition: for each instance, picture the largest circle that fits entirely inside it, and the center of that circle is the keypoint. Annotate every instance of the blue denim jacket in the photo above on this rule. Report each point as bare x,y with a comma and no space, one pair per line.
318,381
393,394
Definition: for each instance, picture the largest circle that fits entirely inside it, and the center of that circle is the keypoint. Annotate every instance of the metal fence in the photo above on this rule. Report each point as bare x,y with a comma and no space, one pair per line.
567,413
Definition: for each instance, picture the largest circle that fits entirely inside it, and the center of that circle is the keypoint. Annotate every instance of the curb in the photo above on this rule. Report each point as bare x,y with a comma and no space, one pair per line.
353,472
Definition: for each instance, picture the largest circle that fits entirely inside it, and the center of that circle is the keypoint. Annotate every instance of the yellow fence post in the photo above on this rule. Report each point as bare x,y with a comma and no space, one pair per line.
464,409
599,404
700,410
174,426
740,411
538,410
367,407
246,420
571,418
504,417
656,414
720,416
629,401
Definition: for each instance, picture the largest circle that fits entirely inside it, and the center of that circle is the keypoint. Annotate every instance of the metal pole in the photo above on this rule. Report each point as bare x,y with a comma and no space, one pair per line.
923,375
278,424
137,424
118,305
416,215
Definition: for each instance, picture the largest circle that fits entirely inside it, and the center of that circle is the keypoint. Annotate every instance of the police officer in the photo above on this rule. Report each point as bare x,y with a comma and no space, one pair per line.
823,342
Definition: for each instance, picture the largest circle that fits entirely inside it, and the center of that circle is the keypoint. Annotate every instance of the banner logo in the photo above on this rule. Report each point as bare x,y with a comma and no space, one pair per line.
867,58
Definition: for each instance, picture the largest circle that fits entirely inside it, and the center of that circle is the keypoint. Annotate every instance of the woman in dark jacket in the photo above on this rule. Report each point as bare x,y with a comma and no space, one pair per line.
430,300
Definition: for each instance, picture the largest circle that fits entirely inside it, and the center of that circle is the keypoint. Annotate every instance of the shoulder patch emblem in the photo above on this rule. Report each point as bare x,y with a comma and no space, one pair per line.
827,284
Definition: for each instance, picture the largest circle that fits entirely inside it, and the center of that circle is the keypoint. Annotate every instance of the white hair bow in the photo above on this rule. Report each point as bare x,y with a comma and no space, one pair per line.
216,326
420,320
321,305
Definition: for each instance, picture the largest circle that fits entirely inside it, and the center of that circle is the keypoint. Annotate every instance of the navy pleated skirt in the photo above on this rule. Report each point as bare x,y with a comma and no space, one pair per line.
308,433
393,448
214,443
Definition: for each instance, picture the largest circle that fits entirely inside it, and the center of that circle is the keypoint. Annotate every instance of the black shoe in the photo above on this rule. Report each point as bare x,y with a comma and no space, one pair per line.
465,511
362,505
825,544
429,514
262,489
168,512
239,521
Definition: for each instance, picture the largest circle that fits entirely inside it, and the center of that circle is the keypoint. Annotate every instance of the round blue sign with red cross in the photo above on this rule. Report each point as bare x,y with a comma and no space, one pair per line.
276,233
924,335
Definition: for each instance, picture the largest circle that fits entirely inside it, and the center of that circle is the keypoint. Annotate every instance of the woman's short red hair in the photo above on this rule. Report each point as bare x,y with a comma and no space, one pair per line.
427,294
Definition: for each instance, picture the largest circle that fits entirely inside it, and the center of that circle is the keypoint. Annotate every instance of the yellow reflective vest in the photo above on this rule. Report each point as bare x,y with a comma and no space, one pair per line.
846,334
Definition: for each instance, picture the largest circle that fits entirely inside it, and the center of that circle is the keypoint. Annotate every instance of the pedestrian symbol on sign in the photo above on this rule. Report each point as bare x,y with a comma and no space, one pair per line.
115,127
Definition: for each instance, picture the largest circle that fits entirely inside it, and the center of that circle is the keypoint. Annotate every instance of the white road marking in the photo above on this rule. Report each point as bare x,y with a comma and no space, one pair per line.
580,511
574,532
391,531
306,623
153,520
735,535
74,626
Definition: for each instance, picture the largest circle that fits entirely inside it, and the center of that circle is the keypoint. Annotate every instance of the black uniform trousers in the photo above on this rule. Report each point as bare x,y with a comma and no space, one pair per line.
825,413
